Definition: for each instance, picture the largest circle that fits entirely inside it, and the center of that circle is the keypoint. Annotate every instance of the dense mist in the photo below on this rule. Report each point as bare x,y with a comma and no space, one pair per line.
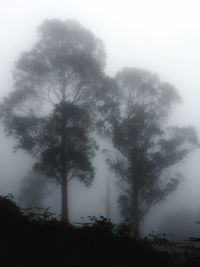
161,38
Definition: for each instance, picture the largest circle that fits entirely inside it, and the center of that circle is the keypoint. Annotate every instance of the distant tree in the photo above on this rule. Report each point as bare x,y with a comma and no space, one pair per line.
147,149
58,87
33,190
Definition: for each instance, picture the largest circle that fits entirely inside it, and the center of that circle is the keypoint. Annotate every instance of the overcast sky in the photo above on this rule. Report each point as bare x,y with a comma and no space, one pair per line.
162,36
159,35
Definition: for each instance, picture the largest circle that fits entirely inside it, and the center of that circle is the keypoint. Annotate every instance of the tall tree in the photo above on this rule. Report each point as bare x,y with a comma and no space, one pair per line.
147,149
58,85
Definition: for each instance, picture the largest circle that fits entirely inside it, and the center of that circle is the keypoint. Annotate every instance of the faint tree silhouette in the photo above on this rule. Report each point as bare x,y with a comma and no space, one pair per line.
146,147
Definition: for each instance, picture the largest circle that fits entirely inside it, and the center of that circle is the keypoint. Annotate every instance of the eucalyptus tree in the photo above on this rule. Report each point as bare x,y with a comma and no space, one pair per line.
147,147
58,87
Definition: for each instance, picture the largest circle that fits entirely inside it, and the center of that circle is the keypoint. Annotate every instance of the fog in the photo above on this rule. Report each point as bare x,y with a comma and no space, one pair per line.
160,36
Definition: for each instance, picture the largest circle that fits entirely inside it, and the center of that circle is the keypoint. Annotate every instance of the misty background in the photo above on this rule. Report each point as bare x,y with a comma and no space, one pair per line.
160,36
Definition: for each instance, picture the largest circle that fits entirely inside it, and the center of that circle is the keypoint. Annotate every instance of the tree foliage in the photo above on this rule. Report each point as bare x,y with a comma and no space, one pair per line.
148,148
58,87
80,147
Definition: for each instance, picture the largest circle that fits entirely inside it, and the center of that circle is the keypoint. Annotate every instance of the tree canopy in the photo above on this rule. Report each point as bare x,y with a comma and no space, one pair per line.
148,148
58,86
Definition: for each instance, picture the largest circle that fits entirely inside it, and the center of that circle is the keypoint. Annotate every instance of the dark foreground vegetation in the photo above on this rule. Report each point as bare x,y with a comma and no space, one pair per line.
38,239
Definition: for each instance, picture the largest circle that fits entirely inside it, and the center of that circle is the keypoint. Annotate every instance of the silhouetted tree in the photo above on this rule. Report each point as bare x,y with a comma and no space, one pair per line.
58,86
147,148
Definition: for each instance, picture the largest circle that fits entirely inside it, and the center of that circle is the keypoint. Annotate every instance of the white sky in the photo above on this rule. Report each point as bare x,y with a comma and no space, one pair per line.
159,35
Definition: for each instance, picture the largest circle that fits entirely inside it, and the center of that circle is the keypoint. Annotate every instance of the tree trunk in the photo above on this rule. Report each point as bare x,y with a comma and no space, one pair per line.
64,191
107,199
136,214
64,200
